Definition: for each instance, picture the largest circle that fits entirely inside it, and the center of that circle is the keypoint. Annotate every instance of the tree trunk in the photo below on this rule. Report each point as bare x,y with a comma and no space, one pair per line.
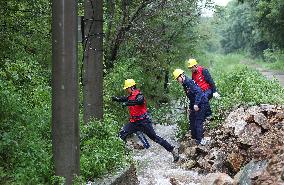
65,107
93,60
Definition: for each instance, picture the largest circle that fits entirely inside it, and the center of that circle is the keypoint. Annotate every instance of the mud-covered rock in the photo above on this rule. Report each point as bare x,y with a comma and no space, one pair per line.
273,173
235,160
235,121
249,171
250,134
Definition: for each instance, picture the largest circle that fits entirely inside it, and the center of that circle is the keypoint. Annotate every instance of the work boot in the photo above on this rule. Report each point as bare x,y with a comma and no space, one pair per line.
175,155
203,142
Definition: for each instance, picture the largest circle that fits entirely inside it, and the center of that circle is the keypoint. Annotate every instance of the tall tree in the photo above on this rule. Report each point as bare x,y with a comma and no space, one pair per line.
128,13
93,60
65,127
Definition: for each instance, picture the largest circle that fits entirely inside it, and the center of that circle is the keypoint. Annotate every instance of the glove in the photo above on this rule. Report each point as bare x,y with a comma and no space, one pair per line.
124,103
114,98
195,107
216,95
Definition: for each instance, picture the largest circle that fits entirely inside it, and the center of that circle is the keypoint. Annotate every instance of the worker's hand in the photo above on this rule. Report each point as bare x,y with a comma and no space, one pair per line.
196,108
216,95
124,103
114,98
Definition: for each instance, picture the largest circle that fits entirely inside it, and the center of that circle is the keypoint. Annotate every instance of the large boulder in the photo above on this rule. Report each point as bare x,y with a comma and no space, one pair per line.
273,173
249,171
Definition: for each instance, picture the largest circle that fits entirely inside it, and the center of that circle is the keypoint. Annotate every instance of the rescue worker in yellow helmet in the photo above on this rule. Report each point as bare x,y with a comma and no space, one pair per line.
198,105
140,118
203,79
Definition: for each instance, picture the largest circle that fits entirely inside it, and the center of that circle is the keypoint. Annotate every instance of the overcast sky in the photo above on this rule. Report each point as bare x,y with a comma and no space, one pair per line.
217,2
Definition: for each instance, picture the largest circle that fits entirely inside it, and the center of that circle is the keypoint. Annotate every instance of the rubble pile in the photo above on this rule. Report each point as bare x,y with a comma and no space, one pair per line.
249,141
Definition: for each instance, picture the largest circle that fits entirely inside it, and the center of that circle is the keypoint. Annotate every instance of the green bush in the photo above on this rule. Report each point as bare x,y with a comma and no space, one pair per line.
25,147
240,85
101,149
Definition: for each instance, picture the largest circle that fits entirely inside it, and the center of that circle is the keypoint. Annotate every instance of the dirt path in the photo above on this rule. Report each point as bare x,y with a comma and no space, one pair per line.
268,73
273,74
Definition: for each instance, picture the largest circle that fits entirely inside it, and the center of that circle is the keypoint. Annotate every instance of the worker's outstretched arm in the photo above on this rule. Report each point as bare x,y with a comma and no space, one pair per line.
119,99
139,100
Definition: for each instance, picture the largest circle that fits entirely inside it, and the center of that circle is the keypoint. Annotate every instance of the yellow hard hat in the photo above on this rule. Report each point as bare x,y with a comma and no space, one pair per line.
191,62
177,73
128,83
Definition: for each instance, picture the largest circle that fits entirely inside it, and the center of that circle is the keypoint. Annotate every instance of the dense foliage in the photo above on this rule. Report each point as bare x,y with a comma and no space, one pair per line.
252,26
240,85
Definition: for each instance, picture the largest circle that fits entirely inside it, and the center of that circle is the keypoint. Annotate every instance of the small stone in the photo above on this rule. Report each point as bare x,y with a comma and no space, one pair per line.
189,164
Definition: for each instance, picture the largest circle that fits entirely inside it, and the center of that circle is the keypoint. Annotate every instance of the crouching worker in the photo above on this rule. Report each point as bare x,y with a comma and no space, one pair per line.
198,105
140,118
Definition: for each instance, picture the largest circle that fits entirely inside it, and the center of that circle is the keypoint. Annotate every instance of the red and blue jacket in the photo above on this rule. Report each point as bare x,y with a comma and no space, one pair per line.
136,104
193,92
203,79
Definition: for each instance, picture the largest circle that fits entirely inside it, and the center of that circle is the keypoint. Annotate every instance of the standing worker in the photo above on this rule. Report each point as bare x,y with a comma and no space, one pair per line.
140,118
198,105
204,80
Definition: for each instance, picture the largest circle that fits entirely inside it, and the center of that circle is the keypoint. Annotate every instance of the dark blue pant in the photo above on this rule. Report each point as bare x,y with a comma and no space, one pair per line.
209,94
146,127
143,139
196,121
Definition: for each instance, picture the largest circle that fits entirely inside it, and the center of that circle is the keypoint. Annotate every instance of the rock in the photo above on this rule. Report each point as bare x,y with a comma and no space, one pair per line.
189,164
190,152
279,116
268,110
273,172
186,142
269,143
250,134
261,120
253,110
249,118
174,181
235,159
219,162
203,163
217,179
244,176
201,150
213,154
183,146
236,121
